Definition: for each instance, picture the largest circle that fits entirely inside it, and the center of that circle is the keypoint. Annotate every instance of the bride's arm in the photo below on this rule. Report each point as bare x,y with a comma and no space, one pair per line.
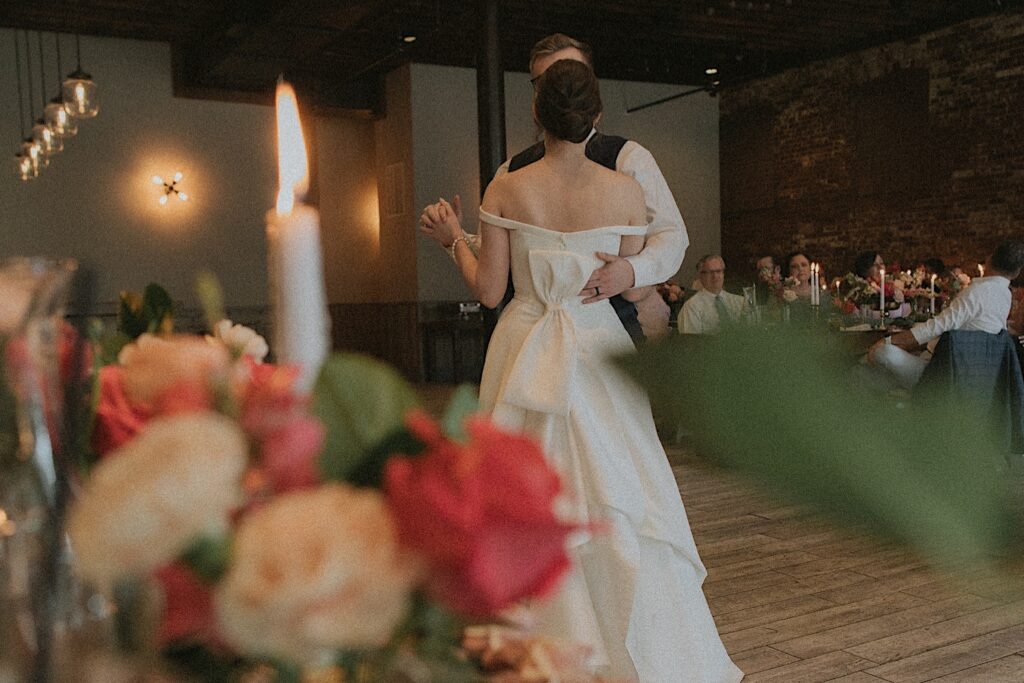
485,273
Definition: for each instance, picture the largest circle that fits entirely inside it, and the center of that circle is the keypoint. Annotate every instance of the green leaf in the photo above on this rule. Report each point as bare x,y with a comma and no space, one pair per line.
463,404
360,402
110,346
208,557
780,408
131,321
370,470
157,308
211,298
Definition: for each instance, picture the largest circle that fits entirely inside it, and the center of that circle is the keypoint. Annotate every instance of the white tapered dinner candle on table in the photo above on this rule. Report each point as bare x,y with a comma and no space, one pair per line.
300,321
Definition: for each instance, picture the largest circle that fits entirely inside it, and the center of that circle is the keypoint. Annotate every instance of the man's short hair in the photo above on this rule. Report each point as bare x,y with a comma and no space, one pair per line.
707,257
1008,257
549,45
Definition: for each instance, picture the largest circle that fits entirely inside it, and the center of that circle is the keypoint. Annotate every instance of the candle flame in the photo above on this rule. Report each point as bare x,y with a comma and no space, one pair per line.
293,169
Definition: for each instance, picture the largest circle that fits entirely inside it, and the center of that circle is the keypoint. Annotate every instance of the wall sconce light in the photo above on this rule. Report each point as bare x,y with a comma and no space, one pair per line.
170,188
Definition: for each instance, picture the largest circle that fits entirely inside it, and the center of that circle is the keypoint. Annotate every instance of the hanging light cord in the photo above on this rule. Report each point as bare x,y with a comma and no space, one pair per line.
28,63
60,62
42,71
21,95
78,50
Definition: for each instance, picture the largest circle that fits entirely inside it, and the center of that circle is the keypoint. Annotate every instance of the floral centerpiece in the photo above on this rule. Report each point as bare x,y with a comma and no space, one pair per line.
855,292
783,289
344,529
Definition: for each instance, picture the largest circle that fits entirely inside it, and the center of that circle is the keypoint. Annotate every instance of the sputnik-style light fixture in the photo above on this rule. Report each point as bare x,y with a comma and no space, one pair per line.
79,90
170,188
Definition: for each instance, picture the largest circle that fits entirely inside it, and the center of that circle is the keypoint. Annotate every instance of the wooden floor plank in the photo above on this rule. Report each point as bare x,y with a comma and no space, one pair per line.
912,642
758,616
761,658
851,634
1006,670
959,656
816,670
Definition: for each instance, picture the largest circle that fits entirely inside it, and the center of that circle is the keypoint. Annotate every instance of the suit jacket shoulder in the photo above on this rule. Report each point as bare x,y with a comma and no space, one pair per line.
529,155
602,149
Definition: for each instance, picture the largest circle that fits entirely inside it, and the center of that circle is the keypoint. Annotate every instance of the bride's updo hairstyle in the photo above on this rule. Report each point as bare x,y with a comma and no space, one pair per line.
568,100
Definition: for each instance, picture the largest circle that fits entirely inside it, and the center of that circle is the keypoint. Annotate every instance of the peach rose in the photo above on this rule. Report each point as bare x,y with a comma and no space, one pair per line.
313,572
149,500
153,365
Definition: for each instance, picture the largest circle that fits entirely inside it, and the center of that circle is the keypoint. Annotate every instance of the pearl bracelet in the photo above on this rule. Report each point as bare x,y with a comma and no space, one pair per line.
451,247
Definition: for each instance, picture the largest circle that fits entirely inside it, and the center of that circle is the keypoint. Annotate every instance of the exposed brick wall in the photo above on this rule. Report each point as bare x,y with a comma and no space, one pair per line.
953,167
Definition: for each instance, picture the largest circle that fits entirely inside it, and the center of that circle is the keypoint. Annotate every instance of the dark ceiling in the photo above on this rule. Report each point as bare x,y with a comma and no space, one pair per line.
337,50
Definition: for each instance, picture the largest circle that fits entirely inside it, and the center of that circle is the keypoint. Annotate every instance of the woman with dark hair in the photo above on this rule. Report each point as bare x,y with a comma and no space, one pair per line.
868,265
634,594
798,266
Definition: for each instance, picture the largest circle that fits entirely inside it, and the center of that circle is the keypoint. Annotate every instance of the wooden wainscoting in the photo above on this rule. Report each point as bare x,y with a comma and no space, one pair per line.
388,331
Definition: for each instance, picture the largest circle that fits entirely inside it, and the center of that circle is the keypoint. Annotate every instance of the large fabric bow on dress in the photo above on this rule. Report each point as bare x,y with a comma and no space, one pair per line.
542,373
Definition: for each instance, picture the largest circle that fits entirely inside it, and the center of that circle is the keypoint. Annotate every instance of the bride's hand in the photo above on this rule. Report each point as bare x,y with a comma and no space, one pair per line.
442,221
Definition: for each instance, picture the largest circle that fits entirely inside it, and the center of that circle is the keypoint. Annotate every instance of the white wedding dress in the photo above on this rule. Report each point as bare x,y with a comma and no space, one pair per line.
634,594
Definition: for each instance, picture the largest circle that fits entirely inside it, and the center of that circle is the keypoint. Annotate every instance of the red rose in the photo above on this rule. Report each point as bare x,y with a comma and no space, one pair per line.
481,514
188,606
117,419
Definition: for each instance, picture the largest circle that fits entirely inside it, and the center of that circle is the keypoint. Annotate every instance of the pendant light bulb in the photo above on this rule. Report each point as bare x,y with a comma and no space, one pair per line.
49,144
30,149
23,168
59,121
79,95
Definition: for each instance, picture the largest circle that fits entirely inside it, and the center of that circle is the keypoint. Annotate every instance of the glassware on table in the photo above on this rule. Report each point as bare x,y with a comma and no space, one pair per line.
750,301
37,591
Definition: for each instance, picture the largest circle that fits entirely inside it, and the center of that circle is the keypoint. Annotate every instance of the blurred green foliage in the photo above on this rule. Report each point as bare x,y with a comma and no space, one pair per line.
779,406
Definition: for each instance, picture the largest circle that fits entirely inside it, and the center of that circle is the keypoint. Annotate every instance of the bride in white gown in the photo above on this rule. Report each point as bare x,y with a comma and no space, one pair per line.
635,592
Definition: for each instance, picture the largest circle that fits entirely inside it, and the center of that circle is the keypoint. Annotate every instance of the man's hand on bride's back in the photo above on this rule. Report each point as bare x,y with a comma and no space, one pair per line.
442,221
614,277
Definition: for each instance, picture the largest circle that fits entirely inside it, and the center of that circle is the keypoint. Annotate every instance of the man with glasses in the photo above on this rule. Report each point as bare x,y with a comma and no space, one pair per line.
666,240
711,307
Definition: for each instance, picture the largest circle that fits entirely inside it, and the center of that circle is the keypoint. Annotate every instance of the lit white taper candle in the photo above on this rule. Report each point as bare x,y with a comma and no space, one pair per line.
300,322
881,293
932,303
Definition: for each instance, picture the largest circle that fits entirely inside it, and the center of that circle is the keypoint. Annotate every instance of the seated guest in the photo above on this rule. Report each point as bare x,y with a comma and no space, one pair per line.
868,265
799,266
934,266
983,306
710,306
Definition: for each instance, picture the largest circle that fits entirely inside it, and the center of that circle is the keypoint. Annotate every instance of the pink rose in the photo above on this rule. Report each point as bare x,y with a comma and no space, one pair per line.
288,438
289,454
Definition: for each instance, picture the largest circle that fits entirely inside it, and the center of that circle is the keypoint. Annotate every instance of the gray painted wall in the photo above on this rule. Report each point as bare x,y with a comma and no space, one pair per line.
682,135
96,202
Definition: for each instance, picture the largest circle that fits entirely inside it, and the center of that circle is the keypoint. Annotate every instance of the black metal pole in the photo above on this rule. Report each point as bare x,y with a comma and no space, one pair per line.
490,93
